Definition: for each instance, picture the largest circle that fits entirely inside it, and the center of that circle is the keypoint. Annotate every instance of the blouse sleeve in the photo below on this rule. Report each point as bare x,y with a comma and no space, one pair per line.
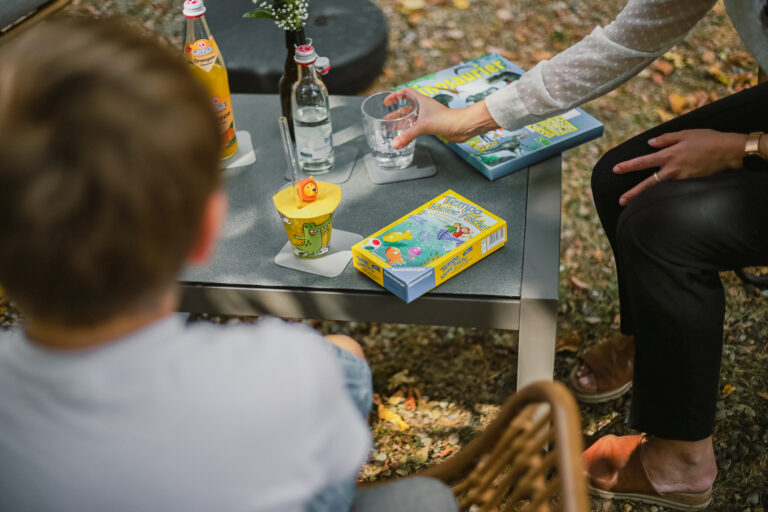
605,59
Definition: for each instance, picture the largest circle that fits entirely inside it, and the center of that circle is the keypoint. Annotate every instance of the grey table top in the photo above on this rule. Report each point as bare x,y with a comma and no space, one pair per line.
253,233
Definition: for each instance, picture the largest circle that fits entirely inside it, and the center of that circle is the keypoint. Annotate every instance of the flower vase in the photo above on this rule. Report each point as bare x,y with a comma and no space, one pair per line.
293,38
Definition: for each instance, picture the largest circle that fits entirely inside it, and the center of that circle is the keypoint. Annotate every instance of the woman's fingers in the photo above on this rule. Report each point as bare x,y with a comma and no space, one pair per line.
399,94
667,139
638,189
401,112
406,137
641,163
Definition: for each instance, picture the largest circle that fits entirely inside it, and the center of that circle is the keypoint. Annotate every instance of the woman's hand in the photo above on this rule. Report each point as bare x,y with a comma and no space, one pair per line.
685,154
437,119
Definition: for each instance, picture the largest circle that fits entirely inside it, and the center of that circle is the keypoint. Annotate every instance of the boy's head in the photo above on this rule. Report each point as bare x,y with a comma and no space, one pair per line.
108,158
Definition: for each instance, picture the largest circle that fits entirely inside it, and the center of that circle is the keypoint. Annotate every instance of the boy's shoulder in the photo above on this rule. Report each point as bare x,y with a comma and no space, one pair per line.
270,346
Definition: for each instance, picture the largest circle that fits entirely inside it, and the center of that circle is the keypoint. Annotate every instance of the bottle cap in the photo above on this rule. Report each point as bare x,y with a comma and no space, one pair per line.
193,8
305,55
323,65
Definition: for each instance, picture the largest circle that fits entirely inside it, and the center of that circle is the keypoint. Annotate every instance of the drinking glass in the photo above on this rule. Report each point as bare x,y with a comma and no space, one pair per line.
383,123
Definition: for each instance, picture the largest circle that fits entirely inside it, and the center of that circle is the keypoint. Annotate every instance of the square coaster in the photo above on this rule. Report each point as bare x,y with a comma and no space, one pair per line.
422,167
332,264
346,156
245,155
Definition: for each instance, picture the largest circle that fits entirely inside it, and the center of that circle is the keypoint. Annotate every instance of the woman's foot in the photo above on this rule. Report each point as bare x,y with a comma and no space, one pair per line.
675,474
605,371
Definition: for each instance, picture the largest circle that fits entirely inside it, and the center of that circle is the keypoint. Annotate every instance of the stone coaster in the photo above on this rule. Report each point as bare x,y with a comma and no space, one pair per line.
422,167
330,265
245,155
346,156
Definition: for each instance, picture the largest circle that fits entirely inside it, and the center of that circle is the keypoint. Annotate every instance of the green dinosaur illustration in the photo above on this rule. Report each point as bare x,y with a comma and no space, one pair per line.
313,235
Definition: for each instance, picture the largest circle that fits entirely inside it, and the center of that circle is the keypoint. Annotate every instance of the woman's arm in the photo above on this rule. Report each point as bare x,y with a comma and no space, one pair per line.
608,57
600,62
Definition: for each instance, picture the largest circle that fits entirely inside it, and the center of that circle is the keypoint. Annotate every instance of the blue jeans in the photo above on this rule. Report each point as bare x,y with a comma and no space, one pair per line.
403,495
359,384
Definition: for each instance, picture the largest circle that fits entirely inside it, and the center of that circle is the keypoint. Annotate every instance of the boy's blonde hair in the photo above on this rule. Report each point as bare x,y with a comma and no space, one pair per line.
109,151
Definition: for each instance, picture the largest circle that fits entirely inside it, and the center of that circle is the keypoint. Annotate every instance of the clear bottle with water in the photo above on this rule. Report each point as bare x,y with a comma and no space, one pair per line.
311,116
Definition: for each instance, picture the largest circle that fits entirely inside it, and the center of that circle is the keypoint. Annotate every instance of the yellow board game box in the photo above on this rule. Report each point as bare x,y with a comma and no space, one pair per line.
429,245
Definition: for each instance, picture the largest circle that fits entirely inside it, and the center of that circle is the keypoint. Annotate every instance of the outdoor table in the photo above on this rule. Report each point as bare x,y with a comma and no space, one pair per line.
515,288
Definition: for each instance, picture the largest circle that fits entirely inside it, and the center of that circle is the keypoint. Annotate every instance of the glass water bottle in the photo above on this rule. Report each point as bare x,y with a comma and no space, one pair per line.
311,115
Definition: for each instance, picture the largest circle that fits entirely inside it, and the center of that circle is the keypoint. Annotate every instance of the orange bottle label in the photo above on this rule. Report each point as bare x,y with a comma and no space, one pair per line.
203,59
223,108
202,53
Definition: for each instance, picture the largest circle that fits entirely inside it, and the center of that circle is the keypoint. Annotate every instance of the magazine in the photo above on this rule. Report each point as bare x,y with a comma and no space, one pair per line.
500,152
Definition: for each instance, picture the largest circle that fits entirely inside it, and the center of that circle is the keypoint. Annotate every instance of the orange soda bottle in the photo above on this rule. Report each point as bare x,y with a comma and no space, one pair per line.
205,60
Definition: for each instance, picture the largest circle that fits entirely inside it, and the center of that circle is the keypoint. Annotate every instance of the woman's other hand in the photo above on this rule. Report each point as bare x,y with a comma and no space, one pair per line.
437,119
685,154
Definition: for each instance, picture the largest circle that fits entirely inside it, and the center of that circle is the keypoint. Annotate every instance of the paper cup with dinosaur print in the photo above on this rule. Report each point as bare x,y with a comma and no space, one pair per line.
308,224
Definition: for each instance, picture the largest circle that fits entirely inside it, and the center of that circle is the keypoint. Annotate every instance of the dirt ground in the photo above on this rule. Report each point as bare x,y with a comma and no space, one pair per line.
463,375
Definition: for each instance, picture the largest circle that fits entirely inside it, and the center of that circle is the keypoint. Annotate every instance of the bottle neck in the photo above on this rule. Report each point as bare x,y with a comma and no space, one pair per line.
294,38
307,72
196,28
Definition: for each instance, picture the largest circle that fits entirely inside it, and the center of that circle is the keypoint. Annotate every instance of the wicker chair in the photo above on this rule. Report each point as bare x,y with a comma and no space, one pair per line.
528,459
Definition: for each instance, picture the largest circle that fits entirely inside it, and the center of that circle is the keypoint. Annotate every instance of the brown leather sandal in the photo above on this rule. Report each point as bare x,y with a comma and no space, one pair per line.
615,471
612,364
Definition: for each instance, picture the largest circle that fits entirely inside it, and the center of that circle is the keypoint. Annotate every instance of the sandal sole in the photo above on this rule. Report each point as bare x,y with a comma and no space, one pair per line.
658,500
589,397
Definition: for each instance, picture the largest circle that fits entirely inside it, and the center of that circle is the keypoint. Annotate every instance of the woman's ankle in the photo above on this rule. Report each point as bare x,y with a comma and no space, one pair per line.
679,466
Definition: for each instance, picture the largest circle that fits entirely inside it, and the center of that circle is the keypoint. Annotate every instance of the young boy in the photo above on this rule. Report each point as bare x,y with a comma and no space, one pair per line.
109,184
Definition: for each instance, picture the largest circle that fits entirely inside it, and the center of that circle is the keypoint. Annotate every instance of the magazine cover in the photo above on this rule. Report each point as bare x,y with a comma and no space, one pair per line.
499,152
429,245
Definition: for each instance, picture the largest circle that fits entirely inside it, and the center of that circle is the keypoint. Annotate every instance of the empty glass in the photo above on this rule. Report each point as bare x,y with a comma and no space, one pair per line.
383,123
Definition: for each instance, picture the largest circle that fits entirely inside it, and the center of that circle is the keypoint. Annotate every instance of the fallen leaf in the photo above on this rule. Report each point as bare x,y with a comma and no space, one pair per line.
579,283
598,254
763,395
408,6
675,58
702,98
392,417
414,19
461,4
716,71
708,57
592,320
396,398
409,404
732,291
389,72
504,15
399,379
664,67
418,62
570,342
449,423
445,452
677,103
426,43
542,55
455,34
728,389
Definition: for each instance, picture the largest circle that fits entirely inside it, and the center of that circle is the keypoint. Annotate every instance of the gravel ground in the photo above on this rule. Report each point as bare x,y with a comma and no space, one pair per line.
445,382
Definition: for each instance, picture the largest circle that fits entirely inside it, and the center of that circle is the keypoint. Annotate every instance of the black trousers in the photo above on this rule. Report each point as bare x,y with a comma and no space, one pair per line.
669,243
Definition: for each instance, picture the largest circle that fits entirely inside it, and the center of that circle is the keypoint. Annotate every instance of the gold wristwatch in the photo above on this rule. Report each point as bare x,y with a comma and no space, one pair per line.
752,147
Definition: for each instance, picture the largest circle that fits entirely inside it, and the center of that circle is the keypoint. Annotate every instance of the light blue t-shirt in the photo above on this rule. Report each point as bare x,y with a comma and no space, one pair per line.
176,418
